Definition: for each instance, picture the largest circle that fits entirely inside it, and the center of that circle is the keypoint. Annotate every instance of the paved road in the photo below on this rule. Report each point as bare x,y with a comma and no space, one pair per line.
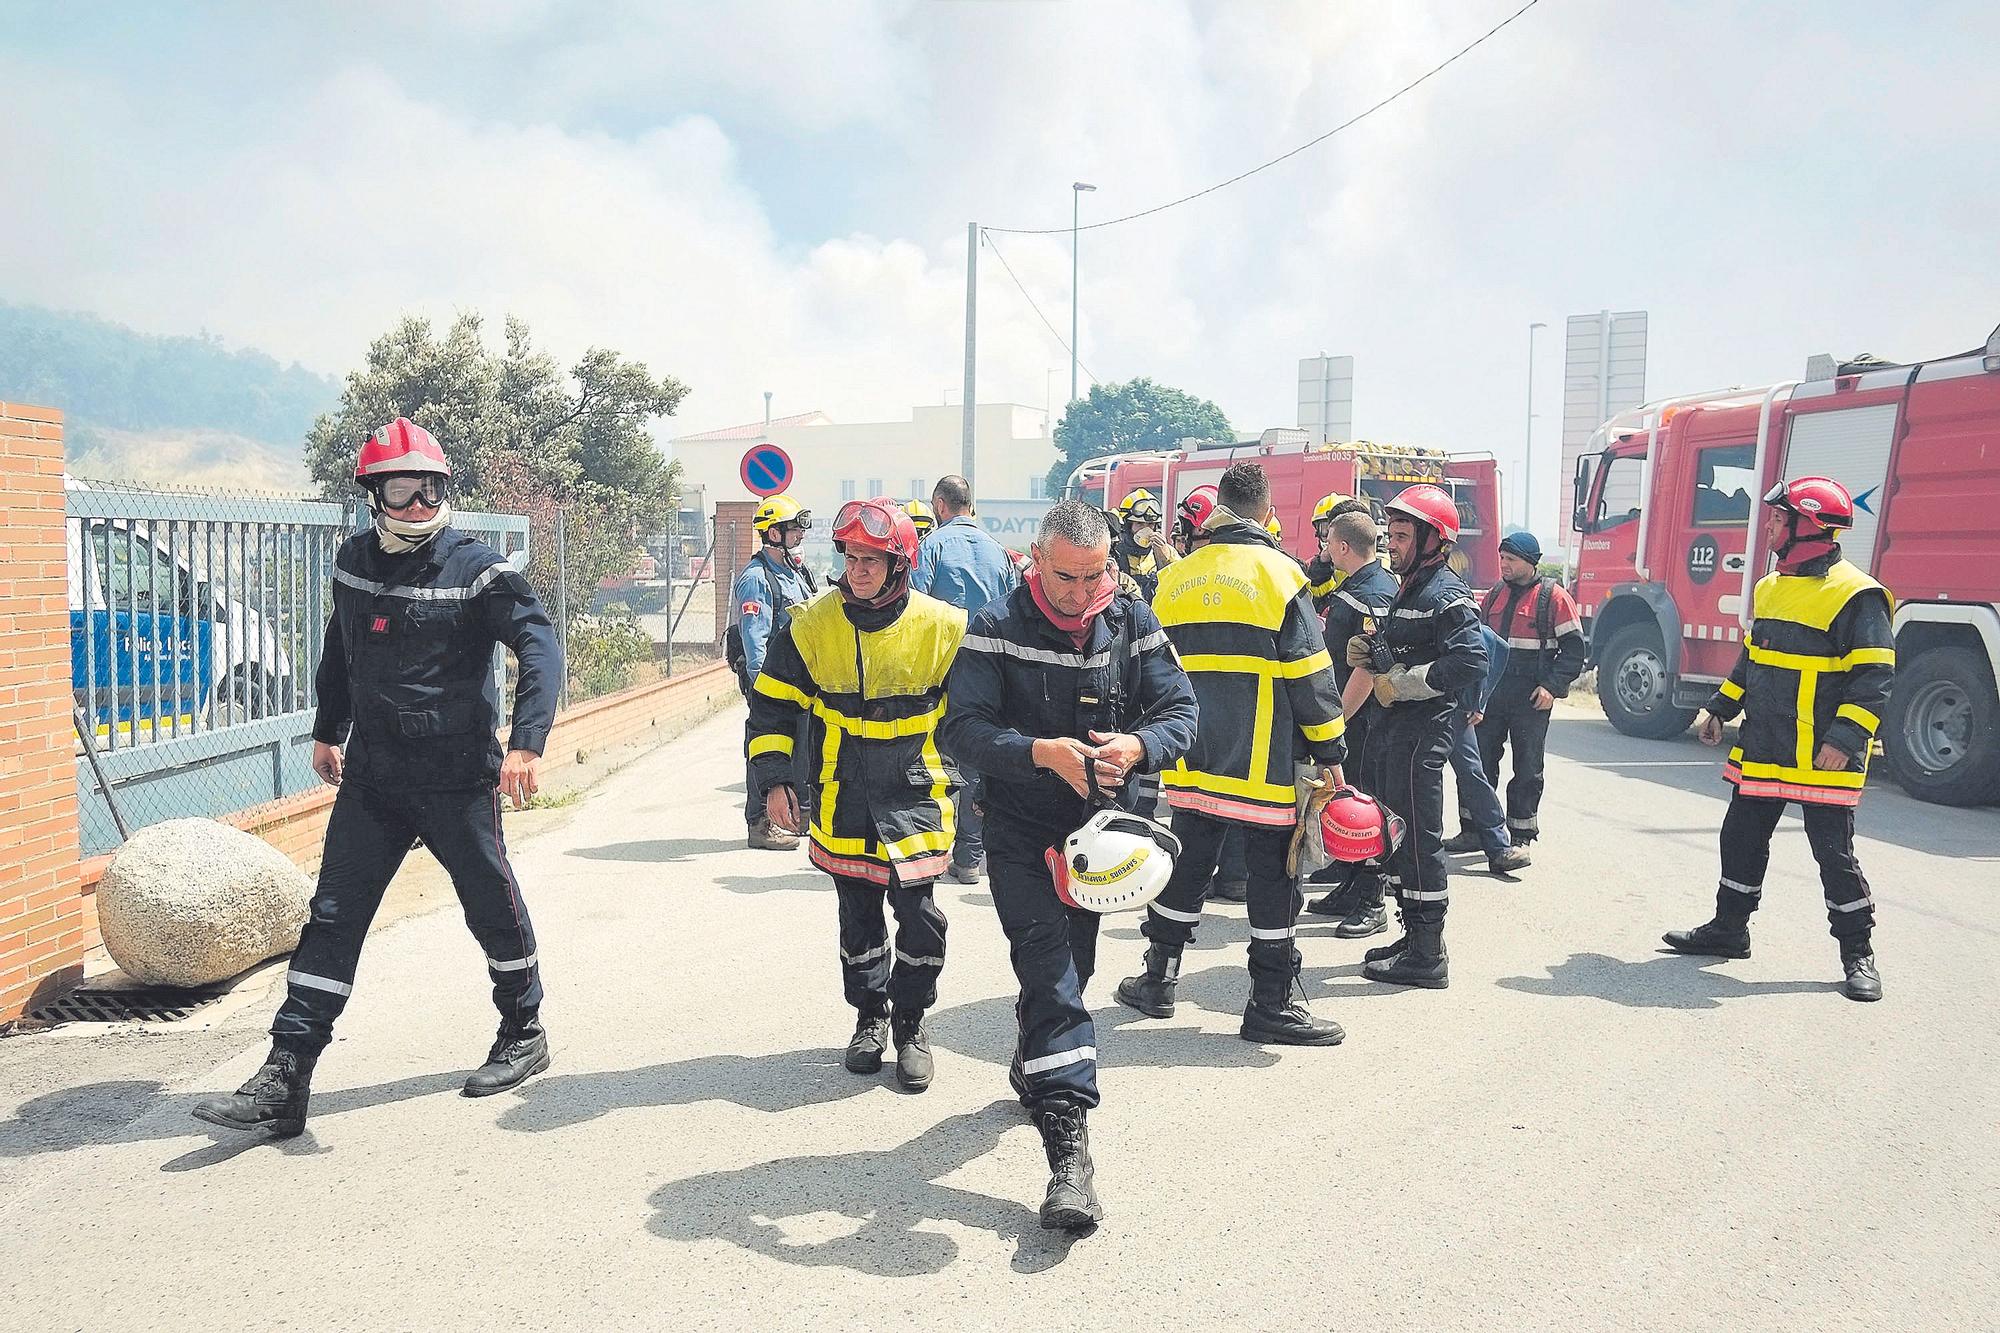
1582,1133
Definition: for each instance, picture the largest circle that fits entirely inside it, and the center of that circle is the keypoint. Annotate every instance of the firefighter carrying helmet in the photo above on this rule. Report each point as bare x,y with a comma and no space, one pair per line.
780,509
1117,862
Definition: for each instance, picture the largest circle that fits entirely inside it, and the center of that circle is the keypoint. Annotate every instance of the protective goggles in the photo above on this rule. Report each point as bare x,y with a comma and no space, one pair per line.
803,522
402,492
1144,514
872,519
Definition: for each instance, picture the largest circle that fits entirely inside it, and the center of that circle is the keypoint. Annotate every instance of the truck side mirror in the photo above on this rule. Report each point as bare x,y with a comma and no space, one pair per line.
1576,519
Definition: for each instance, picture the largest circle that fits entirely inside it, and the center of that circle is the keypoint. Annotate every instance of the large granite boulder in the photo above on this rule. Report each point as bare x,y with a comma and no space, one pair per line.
193,901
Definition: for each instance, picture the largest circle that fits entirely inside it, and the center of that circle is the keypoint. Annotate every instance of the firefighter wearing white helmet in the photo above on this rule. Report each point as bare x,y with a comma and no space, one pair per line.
1064,691
775,581
1422,654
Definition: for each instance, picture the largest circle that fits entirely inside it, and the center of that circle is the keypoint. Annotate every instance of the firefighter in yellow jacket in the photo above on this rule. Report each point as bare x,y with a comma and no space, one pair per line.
1811,682
1239,613
867,660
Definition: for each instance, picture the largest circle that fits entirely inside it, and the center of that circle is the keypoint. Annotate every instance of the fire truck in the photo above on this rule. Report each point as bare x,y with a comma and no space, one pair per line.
1671,543
1302,471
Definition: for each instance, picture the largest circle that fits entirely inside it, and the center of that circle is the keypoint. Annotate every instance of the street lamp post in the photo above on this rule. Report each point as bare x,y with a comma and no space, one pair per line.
1528,446
1076,193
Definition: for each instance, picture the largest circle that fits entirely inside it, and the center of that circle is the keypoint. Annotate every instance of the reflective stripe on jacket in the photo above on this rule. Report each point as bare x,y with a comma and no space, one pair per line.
1546,644
876,698
1815,668
1239,612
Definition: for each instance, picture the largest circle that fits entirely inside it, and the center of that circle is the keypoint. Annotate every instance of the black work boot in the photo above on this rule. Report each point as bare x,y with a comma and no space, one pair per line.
1712,939
518,1054
1341,900
1863,982
1421,962
276,1095
1275,1017
1152,991
914,1066
1382,952
1071,1203
765,837
1509,859
1367,918
865,1047
1466,840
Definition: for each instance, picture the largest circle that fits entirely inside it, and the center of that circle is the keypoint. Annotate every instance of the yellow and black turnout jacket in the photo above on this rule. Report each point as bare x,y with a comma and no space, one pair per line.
873,681
1816,667
1239,612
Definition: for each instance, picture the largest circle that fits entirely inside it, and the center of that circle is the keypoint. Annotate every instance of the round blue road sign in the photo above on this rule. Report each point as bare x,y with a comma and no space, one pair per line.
766,470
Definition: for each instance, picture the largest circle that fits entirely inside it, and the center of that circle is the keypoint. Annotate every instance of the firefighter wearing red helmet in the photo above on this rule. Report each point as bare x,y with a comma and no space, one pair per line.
862,668
1810,684
407,711
1422,654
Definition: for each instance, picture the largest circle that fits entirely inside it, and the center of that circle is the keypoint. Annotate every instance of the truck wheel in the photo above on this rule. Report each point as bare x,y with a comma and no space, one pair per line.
1635,689
1942,732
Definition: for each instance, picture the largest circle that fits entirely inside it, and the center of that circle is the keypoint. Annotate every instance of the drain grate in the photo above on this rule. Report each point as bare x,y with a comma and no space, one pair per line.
128,1004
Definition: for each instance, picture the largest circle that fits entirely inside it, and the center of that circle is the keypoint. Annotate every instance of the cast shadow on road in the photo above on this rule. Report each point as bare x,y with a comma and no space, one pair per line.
657,849
143,1111
886,1197
785,1081
1669,981
804,880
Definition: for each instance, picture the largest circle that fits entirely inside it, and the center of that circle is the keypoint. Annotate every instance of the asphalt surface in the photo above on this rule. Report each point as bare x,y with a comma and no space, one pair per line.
1581,1133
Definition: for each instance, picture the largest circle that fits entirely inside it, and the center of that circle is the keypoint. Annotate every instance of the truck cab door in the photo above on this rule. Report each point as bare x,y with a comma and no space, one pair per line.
1709,536
1608,518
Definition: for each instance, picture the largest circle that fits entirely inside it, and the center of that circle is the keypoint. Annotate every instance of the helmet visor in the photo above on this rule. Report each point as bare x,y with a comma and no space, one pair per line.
403,492
1777,496
872,519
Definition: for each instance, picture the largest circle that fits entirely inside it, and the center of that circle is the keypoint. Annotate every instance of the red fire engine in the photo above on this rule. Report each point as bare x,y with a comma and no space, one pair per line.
1301,472
1671,544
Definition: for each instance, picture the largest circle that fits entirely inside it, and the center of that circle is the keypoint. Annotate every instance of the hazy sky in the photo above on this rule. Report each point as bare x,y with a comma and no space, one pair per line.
774,195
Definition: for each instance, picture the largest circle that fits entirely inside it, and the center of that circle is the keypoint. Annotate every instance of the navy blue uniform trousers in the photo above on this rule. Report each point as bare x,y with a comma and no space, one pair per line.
1053,947
367,836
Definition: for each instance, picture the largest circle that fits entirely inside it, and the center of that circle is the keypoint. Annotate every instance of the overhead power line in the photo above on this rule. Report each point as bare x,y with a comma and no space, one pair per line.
1031,303
1351,121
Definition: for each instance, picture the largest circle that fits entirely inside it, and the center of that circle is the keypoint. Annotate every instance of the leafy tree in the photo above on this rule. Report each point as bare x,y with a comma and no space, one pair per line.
1139,414
522,437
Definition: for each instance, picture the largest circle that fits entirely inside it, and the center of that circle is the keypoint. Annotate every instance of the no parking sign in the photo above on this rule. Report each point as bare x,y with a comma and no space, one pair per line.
766,470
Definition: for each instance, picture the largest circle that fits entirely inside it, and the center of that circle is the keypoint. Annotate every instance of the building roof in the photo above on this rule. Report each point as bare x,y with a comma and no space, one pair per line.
755,430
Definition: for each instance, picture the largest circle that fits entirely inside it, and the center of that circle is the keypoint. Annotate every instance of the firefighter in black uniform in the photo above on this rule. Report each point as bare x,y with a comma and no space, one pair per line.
1426,651
1064,673
406,682
1239,613
1811,681
1366,589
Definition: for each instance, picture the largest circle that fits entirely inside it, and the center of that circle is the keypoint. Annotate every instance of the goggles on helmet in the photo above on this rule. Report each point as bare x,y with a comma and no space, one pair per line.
402,492
874,519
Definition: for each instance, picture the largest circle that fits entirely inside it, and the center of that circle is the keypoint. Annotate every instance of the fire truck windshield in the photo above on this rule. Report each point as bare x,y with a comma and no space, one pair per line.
1618,494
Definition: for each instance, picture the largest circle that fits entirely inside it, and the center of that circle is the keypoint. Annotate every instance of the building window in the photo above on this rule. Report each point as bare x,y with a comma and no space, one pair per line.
846,491
919,491
875,487
1038,487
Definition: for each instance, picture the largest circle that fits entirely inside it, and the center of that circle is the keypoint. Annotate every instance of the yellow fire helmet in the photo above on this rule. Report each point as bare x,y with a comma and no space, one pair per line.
779,509
1274,527
1141,506
921,517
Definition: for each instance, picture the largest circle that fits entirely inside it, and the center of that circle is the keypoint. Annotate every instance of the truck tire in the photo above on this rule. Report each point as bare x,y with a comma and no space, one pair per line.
1634,688
1942,731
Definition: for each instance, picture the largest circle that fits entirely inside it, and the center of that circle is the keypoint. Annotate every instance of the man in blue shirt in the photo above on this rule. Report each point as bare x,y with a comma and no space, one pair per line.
960,563
770,586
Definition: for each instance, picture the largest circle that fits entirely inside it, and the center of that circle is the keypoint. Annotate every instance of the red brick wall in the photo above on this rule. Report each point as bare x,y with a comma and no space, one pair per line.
45,926
735,543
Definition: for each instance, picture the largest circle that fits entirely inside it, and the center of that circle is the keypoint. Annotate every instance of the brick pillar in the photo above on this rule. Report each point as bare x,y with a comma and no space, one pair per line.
45,922
735,543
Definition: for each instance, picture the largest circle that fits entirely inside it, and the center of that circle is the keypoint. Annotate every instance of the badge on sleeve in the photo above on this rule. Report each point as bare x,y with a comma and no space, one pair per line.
753,608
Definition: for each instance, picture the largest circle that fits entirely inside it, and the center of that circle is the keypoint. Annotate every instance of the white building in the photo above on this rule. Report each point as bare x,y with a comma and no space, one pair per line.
901,459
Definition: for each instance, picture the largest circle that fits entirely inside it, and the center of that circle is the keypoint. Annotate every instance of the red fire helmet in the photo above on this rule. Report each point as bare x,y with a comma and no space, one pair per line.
1198,504
1429,505
1819,501
401,446
1356,828
876,524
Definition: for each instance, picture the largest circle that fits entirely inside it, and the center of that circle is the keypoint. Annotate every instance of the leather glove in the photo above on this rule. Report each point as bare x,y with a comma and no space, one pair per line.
1400,684
1358,651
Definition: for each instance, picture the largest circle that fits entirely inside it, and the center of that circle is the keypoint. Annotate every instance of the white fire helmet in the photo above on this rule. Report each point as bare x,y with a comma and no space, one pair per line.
1117,862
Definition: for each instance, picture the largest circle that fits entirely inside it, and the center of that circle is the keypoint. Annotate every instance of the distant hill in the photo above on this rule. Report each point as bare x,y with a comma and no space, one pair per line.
138,407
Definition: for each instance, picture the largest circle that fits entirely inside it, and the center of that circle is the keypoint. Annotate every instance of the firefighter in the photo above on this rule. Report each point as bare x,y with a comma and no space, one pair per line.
1141,550
1231,883
868,664
1366,590
775,581
1538,621
1811,681
408,708
1423,654
1189,516
1240,616
1064,674
921,518
1324,572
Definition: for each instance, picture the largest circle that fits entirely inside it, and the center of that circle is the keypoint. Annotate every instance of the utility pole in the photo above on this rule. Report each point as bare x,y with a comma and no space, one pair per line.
767,414
1076,193
971,328
1528,446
